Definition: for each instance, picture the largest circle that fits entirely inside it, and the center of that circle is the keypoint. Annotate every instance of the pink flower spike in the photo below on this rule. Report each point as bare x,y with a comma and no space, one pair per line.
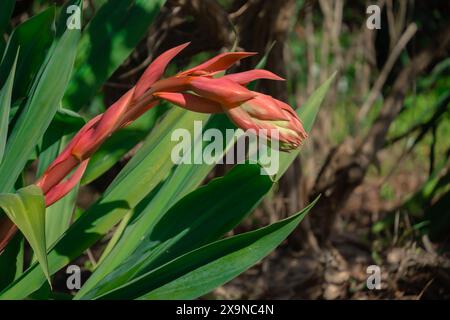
156,69
218,63
61,189
245,77
191,102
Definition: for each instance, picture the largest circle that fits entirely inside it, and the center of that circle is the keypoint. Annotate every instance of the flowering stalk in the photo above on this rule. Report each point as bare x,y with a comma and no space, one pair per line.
194,89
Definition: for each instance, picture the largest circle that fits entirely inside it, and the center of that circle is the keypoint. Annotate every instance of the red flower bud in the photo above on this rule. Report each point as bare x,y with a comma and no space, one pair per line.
265,112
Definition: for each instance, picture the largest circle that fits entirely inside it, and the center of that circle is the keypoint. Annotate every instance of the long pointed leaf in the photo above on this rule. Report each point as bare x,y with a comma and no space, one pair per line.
183,227
200,271
26,209
6,10
39,109
141,175
184,179
34,37
107,41
5,106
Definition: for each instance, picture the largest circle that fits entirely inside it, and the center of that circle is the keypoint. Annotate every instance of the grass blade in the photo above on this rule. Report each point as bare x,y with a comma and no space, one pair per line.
26,209
34,37
40,108
140,176
200,271
182,228
5,106
107,41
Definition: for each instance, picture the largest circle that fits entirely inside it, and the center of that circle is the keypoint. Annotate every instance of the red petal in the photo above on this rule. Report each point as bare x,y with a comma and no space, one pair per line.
110,121
245,77
172,84
241,119
264,107
191,102
135,113
224,91
68,149
286,107
57,172
294,121
219,63
112,117
156,69
61,189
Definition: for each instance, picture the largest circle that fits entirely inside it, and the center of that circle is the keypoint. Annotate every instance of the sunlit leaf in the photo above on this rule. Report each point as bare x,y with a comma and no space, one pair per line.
141,175
107,41
47,91
200,271
34,38
26,209
5,106
202,216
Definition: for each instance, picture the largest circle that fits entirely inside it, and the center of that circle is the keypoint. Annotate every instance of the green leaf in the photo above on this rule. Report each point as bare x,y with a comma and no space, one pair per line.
26,209
6,10
40,108
5,106
200,271
59,215
416,203
307,114
141,175
34,37
183,227
11,261
107,41
183,179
